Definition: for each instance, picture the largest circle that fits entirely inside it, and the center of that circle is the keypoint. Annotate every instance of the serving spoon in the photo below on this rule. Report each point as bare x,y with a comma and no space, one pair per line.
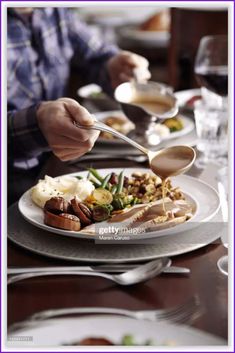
166,162
137,275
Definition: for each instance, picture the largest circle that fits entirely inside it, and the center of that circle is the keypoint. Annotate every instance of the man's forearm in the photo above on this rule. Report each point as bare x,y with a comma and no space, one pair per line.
25,139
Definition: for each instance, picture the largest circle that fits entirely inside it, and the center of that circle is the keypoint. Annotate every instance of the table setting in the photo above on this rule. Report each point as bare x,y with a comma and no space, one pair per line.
127,245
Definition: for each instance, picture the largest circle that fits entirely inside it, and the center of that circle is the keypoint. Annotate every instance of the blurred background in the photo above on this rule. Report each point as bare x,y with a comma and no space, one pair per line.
167,37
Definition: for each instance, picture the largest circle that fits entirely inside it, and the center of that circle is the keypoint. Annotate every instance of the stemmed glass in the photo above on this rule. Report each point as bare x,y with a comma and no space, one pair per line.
211,65
211,69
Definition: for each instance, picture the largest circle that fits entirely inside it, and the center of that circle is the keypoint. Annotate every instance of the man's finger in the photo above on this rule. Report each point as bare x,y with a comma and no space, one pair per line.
77,112
135,60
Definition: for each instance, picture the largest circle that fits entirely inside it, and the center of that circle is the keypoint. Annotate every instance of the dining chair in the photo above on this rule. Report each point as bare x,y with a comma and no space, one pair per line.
188,26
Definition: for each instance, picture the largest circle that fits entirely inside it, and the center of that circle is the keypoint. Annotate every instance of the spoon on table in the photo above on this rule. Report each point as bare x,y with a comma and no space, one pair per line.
139,274
167,162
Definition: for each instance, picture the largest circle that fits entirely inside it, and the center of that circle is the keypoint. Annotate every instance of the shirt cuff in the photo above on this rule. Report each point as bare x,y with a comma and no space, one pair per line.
25,139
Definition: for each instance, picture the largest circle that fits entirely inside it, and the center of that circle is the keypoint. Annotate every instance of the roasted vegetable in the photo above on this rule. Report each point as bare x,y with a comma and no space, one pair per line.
135,201
105,181
118,203
101,213
128,340
95,183
120,182
114,189
102,196
174,124
96,174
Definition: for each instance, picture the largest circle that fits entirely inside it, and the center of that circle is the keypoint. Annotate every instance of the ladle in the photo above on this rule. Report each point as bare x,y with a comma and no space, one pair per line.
166,162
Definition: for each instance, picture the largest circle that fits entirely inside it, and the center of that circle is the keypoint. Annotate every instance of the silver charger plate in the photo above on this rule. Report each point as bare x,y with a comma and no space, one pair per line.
53,245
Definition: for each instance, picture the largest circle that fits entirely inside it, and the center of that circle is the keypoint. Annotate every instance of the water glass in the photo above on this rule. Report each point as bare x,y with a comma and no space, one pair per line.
211,126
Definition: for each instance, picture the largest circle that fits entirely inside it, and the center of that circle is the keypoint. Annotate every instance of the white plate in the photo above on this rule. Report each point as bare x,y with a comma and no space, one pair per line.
102,15
144,38
184,96
187,123
203,197
51,245
65,331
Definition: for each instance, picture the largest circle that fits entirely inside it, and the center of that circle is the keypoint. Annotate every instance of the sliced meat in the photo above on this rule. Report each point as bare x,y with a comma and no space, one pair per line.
160,223
81,211
63,221
95,341
57,205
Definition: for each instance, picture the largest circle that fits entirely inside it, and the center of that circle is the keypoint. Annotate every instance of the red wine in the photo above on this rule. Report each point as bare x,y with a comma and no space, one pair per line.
214,78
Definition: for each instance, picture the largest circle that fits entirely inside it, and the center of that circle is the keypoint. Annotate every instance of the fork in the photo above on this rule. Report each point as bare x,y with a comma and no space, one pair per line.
185,313
181,314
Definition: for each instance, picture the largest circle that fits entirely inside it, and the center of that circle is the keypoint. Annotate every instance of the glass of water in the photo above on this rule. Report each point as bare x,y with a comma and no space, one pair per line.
211,126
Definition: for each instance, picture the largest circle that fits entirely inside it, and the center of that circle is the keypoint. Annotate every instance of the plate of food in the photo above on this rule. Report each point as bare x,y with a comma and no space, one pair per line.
154,31
187,98
109,330
169,129
115,201
94,95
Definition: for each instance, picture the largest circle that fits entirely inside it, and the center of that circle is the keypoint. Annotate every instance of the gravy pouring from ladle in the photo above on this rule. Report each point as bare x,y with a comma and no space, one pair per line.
165,163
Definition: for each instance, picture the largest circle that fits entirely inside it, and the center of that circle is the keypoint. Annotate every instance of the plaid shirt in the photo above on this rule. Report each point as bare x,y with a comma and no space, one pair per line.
39,52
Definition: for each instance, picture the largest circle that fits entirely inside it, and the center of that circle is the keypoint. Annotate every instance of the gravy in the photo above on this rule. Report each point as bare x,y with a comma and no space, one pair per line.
165,165
168,164
152,105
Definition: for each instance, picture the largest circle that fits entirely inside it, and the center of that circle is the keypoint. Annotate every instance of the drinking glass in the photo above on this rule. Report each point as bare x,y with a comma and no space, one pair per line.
211,113
211,67
211,127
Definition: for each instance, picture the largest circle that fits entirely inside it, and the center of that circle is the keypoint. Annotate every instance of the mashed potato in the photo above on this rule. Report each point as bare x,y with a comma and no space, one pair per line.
65,186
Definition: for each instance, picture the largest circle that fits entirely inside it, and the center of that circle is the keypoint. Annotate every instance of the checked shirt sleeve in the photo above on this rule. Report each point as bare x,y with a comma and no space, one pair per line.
91,53
25,139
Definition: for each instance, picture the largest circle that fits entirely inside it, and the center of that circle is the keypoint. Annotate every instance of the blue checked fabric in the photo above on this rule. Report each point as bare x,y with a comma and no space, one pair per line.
39,53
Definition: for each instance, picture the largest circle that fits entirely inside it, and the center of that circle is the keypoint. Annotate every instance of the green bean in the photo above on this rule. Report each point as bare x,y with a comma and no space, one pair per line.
95,173
96,185
120,182
105,181
114,189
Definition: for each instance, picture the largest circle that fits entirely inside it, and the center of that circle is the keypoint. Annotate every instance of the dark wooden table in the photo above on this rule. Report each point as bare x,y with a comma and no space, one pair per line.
205,280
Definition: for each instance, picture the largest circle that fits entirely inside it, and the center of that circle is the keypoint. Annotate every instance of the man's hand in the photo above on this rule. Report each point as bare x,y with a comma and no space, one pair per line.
55,119
125,66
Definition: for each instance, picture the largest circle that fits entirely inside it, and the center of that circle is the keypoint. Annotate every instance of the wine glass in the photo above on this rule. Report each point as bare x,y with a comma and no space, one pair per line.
211,65
211,69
